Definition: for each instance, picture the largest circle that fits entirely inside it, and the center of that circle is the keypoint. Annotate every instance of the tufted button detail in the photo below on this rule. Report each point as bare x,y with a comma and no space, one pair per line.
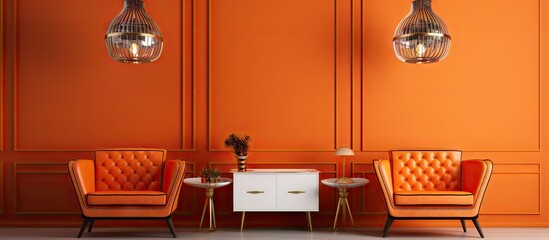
128,170
426,170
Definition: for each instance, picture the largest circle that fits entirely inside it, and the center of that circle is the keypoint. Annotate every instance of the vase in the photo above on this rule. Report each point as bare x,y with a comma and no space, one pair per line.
241,163
213,179
209,179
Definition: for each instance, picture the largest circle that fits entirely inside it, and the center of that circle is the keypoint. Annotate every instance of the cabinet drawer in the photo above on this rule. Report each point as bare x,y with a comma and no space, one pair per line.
254,192
297,192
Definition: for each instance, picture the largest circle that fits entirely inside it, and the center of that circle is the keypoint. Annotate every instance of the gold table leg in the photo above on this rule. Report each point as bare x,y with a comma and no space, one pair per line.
343,203
208,202
337,213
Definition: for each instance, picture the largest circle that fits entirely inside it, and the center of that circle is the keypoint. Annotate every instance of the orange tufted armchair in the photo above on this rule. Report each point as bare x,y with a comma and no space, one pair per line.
127,184
432,185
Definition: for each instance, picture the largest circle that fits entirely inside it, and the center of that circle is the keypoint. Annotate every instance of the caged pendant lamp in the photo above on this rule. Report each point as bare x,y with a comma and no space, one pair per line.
422,36
132,36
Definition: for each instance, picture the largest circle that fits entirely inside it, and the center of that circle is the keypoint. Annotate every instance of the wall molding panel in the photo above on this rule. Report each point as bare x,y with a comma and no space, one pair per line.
366,200
187,204
2,192
518,181
215,112
187,87
468,123
2,80
186,98
34,183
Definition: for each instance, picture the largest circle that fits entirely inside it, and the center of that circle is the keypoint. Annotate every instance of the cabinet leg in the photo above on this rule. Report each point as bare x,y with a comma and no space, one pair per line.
242,222
309,222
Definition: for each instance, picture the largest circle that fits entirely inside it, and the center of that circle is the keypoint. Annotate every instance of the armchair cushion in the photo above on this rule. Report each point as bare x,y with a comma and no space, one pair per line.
432,198
127,198
129,170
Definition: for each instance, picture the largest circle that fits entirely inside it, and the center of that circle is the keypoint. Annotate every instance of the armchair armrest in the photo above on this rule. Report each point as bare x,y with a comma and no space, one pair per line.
174,173
382,168
82,176
475,175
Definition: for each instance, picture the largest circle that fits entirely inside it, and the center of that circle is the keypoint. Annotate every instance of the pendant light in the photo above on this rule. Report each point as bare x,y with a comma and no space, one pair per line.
132,36
422,36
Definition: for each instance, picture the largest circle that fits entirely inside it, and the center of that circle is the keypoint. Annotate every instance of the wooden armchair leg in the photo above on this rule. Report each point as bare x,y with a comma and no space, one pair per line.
84,223
92,221
477,225
388,224
463,225
170,225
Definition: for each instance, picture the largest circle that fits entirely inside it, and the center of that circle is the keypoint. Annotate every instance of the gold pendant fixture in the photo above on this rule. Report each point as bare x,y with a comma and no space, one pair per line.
422,36
132,36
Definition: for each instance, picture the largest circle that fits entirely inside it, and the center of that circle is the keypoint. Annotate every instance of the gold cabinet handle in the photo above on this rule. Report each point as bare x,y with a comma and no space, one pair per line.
296,192
255,192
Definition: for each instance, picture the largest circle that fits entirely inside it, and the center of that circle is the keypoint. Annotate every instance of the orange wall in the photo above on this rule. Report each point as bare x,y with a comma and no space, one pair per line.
300,77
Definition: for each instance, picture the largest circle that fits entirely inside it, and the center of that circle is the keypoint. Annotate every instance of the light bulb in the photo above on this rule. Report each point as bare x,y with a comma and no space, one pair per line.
134,49
420,49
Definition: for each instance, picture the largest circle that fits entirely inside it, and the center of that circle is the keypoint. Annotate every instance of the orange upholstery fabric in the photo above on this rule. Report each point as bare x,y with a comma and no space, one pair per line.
427,198
166,176
426,171
127,198
432,184
129,170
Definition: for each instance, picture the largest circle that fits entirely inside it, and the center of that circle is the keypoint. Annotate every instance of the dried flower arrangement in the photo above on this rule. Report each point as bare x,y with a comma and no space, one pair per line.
238,143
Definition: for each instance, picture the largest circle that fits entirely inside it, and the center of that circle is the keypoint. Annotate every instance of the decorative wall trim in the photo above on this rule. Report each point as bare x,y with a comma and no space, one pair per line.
183,148
361,193
53,170
188,198
183,75
2,193
360,69
538,149
514,168
209,67
2,81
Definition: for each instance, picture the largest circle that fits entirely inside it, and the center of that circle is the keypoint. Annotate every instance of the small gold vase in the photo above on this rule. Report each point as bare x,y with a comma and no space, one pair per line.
241,163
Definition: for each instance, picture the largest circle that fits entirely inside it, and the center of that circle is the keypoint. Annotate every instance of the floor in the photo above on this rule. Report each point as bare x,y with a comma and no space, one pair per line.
268,234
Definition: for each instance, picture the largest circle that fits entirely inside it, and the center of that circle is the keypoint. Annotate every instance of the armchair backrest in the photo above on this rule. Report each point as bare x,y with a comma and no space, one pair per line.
129,170
422,170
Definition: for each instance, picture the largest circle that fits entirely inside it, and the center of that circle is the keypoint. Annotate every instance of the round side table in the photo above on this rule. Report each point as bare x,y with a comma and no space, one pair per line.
195,182
343,203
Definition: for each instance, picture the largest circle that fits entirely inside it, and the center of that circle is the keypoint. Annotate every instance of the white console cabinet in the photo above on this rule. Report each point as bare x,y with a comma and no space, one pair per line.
282,190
